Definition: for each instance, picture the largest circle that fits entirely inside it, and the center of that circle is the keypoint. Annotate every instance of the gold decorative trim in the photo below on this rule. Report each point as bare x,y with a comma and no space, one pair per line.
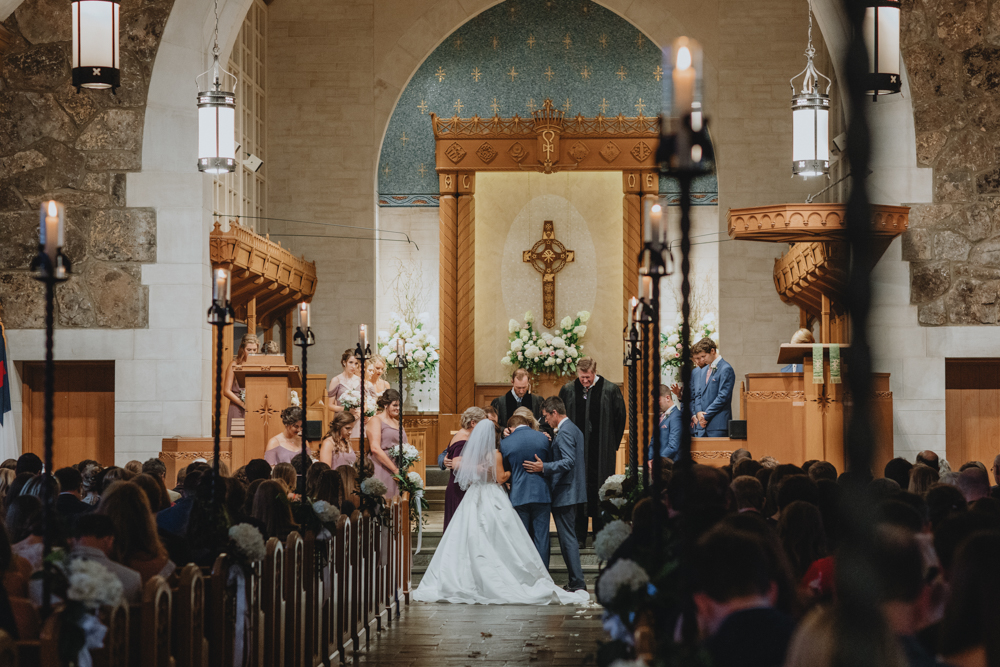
713,454
776,395
191,456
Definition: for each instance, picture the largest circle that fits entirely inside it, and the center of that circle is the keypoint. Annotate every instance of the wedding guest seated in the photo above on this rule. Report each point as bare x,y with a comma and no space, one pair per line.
297,463
70,484
282,447
6,479
156,492
111,475
968,632
803,537
898,469
749,494
25,529
974,484
93,539
173,521
91,489
158,469
18,617
28,463
349,481
922,478
285,474
822,470
312,476
8,464
881,488
735,595
747,467
329,486
257,469
336,450
930,459
134,467
272,509
137,545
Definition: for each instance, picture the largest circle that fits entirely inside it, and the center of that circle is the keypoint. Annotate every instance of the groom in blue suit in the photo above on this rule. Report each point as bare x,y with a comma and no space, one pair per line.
670,427
567,477
529,494
715,407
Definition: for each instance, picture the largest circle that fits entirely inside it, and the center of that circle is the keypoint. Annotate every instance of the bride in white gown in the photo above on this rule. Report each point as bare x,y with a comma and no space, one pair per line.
486,555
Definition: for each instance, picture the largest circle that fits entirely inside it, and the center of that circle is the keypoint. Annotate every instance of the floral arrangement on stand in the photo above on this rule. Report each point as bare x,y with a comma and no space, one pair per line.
319,517
411,482
84,587
544,352
372,492
247,545
420,348
670,342
618,495
351,400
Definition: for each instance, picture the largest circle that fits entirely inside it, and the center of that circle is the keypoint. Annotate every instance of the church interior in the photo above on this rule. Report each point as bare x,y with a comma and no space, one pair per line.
414,209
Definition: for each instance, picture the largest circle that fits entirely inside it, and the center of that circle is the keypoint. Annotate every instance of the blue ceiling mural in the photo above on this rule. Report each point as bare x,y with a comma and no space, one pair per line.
509,60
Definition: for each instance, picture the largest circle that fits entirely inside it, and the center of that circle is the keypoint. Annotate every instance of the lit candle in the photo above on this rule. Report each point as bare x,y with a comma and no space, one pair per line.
646,288
363,337
656,222
400,348
52,229
304,316
220,287
687,58
633,303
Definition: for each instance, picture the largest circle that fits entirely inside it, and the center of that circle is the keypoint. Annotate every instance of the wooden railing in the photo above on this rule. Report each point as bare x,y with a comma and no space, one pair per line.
308,603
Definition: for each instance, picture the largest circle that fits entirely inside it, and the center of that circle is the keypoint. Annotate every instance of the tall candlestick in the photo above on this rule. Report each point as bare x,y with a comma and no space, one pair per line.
304,316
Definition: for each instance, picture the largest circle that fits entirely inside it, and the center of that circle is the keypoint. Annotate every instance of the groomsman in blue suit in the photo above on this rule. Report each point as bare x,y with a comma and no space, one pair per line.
697,388
529,494
670,427
715,408
567,477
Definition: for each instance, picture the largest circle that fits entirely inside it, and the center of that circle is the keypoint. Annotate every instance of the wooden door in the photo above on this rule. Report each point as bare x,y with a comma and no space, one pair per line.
972,410
84,426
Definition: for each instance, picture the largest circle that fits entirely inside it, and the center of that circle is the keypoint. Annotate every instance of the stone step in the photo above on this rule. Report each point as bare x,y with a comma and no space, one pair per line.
436,476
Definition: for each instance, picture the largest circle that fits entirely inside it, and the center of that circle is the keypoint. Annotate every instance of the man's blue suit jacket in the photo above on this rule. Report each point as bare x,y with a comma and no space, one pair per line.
670,436
717,399
523,444
697,389
566,472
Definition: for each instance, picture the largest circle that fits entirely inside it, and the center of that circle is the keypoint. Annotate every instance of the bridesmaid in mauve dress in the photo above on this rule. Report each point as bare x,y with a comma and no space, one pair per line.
382,433
453,493
231,388
283,447
336,448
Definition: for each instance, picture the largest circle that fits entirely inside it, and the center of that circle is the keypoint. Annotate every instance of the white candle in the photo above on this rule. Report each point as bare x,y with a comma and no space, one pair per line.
400,348
52,229
363,337
304,316
633,303
220,287
656,222
645,287
683,79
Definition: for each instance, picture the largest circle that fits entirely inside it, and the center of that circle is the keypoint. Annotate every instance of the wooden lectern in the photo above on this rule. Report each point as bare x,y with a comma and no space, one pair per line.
268,382
795,420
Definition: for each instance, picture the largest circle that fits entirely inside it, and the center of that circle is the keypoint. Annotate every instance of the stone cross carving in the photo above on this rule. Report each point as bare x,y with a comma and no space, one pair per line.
548,256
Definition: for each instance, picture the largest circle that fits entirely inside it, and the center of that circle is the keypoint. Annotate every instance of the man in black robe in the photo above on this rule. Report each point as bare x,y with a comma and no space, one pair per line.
519,396
597,408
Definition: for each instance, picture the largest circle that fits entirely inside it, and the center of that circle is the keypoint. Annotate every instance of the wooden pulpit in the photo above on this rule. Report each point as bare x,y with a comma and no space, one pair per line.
268,382
794,419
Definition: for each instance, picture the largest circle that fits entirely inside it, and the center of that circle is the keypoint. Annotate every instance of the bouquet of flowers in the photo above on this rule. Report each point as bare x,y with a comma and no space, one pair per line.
410,456
420,348
670,341
413,484
351,399
372,492
543,352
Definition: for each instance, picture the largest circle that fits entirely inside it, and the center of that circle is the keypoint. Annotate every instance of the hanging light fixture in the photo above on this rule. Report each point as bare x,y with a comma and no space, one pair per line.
95,44
810,118
216,115
881,34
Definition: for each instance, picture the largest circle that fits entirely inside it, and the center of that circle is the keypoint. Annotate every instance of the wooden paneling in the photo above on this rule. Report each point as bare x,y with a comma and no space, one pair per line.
84,425
447,302
972,409
465,338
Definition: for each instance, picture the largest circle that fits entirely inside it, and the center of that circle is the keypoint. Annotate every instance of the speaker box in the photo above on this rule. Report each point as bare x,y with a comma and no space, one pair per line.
738,429
314,429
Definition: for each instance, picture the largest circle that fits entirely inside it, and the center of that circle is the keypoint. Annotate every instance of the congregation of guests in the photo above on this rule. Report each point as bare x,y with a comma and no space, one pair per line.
767,539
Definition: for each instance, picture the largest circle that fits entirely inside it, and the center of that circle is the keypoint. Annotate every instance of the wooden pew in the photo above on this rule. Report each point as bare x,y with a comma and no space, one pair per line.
220,626
342,565
190,644
116,643
316,552
273,604
407,564
155,625
295,601
358,622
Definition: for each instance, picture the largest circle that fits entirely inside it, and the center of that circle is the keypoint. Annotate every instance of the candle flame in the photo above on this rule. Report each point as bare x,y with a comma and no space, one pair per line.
683,58
53,209
656,208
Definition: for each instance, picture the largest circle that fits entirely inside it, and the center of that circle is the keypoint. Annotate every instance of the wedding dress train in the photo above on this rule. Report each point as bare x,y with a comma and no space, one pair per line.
487,557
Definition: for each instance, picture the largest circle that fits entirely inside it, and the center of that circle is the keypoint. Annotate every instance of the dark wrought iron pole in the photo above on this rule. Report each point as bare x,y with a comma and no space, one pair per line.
644,393
684,457
360,352
304,339
631,360
654,363
399,456
217,429
50,388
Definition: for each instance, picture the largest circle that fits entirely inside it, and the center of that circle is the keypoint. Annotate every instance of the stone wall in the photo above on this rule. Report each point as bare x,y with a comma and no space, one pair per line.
74,147
952,55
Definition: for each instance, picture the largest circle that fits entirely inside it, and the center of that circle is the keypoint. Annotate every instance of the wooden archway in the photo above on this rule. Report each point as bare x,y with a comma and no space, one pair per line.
547,142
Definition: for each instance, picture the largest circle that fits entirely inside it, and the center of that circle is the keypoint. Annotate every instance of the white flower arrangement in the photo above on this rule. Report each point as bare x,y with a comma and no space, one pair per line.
623,574
372,486
415,479
295,400
612,484
92,584
545,352
248,541
670,341
419,347
410,455
351,399
326,512
610,538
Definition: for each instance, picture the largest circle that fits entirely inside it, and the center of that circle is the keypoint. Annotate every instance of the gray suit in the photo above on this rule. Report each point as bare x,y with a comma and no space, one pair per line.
568,480
529,493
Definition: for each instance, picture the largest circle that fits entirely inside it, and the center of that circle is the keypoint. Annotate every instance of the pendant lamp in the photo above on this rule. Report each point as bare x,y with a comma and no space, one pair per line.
810,118
881,33
216,115
95,44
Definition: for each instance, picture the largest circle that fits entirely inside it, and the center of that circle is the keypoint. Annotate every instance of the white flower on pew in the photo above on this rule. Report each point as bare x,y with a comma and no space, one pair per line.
610,538
628,663
248,540
92,584
612,484
623,573
373,486
415,479
326,512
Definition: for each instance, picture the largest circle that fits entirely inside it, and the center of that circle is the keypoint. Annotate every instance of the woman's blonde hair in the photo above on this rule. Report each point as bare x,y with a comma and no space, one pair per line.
242,354
528,415
285,473
472,416
803,337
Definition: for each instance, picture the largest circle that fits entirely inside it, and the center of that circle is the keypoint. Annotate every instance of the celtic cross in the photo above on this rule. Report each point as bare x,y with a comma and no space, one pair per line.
548,256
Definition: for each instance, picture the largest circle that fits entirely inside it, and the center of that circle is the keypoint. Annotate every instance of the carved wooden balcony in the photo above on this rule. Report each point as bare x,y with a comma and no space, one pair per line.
808,271
790,223
261,270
